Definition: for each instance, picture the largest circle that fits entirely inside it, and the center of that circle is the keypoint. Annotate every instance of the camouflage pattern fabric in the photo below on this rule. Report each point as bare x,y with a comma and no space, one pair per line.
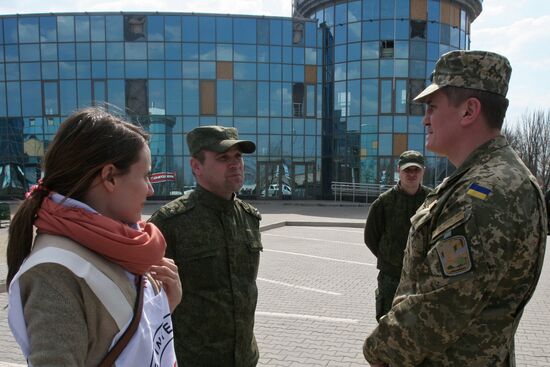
472,261
216,245
481,70
386,232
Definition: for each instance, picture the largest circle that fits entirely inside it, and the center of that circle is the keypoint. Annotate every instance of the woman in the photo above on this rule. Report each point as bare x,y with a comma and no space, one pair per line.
75,289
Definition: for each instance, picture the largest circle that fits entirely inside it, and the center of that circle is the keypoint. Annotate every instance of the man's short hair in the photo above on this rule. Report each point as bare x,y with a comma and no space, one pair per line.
493,106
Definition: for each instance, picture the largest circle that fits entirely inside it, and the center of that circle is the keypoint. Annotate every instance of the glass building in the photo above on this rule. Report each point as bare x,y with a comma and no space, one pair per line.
325,94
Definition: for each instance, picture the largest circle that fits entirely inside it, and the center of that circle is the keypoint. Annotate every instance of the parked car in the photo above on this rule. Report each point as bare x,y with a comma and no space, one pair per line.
273,191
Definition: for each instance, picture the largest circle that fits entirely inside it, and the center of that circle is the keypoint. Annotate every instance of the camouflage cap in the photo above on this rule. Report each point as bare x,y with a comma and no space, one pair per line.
411,158
217,139
481,70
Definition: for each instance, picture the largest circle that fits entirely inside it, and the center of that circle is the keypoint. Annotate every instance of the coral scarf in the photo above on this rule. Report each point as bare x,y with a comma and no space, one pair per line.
135,250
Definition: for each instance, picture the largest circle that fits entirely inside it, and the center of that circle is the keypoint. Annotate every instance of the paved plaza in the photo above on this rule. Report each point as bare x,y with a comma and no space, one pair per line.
316,291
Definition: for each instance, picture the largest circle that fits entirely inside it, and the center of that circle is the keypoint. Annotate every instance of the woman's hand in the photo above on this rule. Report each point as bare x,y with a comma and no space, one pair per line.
166,272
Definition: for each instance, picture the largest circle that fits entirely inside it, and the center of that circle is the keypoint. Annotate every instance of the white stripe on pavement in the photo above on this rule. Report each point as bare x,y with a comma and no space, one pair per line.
314,239
299,287
320,257
307,317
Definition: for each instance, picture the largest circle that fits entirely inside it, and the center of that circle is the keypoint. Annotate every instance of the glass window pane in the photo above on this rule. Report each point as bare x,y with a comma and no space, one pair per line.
224,92
155,50
244,30
67,96
10,30
172,28
14,99
99,93
98,51
30,71
369,98
32,98
99,69
190,28
244,71
49,51
136,69
173,69
115,51
67,70
245,98
65,28
115,69
207,70
190,97
385,96
115,28
83,70
224,30
275,32
190,69
28,30
207,27
82,25
48,31
156,97
66,51
156,69
275,98
263,99
136,50
245,53
29,53
173,51
190,51
83,51
155,28
116,95
49,70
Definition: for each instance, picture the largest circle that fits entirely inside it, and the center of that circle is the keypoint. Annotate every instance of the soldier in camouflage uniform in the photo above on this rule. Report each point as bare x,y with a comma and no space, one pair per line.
388,224
214,238
476,246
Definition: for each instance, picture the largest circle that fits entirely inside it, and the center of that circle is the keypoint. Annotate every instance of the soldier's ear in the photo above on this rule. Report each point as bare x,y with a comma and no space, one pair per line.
196,166
471,110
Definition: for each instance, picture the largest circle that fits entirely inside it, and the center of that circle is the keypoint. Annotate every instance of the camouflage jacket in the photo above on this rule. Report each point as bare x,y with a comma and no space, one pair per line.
216,245
473,258
388,224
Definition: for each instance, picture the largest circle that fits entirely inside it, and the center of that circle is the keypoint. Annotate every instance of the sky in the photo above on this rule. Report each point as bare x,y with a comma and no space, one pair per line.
518,29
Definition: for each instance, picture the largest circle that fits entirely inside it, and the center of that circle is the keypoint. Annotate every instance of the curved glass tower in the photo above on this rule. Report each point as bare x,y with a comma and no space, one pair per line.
378,55
324,94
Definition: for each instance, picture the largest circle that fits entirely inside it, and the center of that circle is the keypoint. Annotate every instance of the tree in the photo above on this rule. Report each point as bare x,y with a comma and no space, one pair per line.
530,137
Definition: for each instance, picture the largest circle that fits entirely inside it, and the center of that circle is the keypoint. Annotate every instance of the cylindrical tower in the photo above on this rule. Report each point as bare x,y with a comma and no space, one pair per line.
379,55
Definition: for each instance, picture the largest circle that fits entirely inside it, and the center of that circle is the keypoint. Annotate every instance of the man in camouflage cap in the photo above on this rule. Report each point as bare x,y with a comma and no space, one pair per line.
476,245
388,224
214,238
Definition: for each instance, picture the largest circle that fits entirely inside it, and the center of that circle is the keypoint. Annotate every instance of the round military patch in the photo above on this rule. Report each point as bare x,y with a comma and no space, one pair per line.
454,255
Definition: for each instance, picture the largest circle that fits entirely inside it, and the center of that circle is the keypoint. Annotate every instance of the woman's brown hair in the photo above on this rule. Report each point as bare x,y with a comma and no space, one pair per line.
85,142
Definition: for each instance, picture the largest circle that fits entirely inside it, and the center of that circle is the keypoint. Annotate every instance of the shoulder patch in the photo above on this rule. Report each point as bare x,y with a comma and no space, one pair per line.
249,209
478,191
175,207
454,256
450,223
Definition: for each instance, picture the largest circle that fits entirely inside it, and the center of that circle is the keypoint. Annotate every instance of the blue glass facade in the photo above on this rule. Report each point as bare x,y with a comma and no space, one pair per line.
325,94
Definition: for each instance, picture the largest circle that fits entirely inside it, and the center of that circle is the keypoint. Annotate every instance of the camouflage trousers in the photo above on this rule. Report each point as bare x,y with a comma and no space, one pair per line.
387,285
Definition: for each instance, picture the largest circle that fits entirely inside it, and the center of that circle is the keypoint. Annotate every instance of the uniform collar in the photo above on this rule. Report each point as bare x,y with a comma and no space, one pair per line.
213,201
480,155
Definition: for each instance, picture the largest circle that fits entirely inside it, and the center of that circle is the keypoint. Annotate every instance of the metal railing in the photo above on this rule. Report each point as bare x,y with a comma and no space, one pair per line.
357,191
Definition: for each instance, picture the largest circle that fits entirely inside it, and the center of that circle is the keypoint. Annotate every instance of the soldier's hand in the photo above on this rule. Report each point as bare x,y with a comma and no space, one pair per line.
166,272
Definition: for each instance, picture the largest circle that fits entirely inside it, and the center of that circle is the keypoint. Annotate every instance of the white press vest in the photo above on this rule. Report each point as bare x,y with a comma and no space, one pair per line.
153,342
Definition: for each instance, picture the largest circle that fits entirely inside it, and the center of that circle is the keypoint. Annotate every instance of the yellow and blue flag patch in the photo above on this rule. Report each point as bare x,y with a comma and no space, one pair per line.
478,191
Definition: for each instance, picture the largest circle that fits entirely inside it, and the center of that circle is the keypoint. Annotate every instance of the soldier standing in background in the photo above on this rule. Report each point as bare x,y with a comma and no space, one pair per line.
214,238
476,246
388,224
